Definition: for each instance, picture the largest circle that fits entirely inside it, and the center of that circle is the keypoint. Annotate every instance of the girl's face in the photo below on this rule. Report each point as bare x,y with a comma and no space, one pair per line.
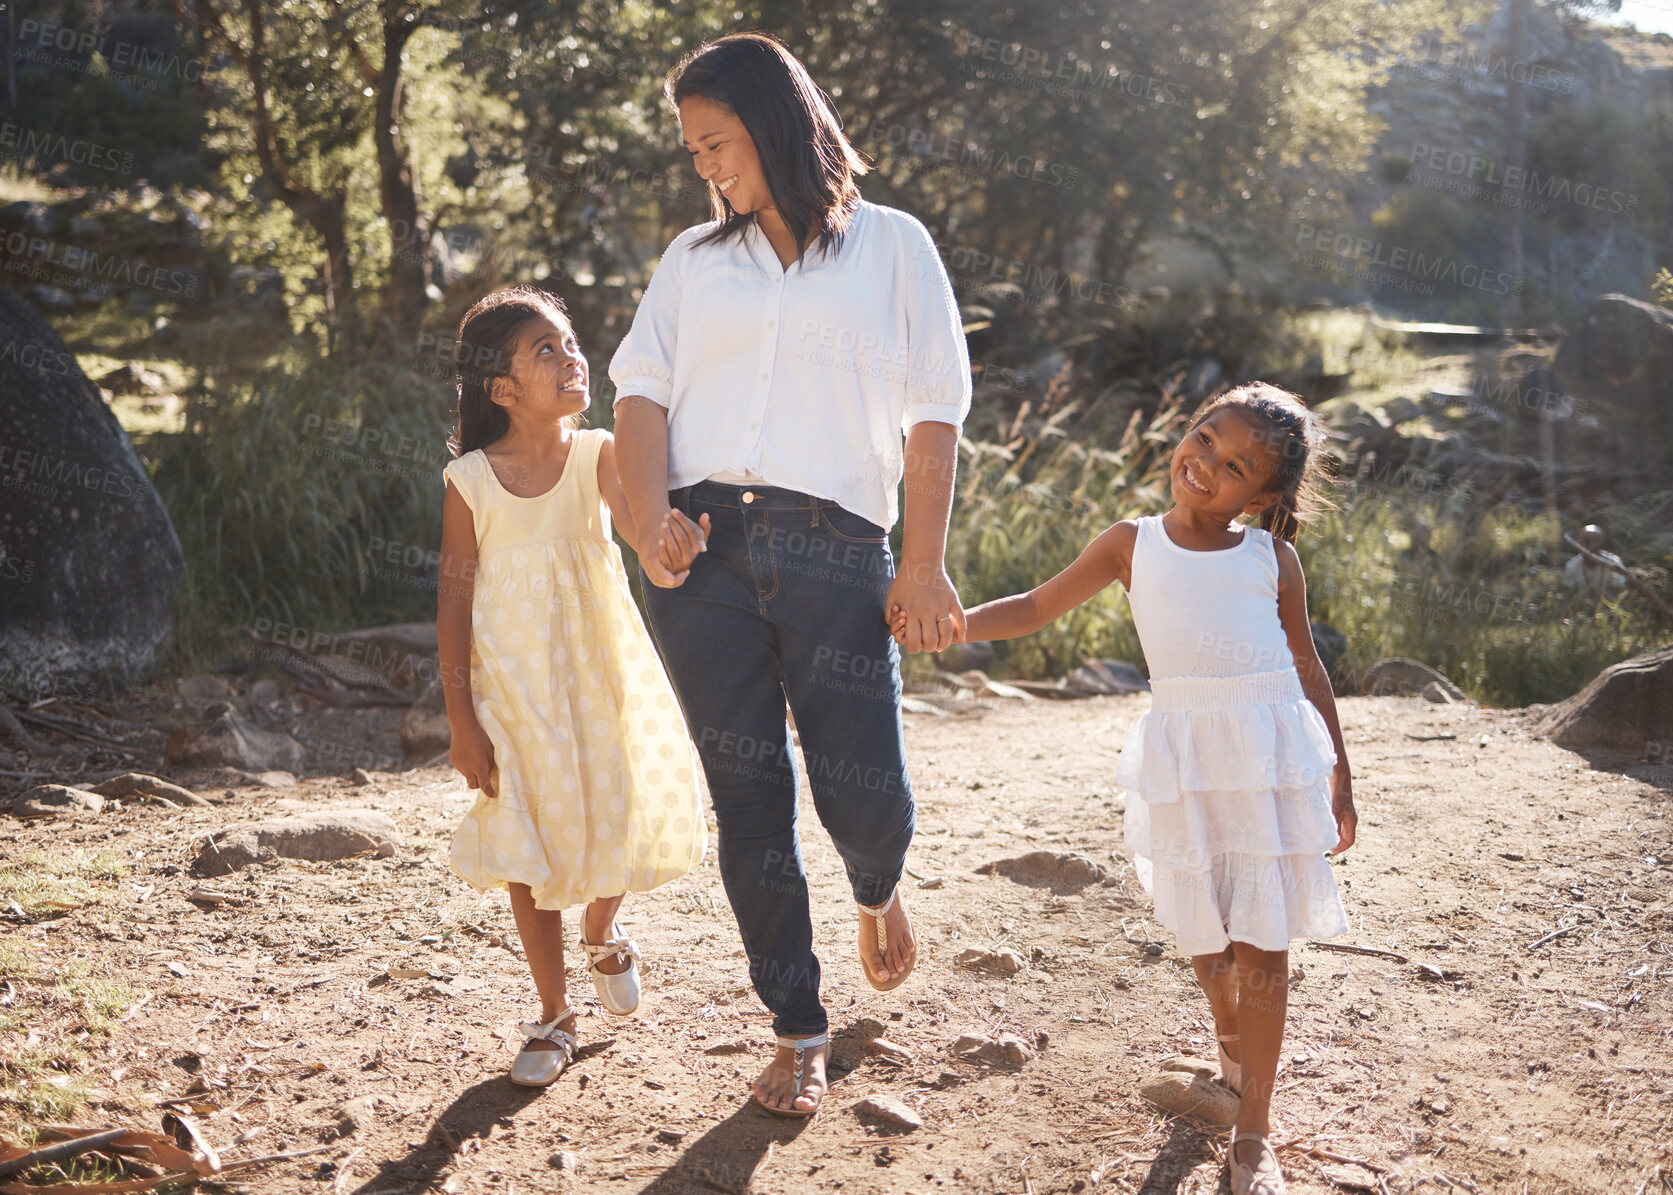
548,373
1224,467
724,154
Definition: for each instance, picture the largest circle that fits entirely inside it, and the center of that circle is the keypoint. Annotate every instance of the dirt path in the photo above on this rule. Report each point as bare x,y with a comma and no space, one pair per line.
1516,1070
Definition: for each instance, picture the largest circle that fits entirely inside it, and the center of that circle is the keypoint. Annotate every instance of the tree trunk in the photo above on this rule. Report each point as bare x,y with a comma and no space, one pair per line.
404,300
1515,149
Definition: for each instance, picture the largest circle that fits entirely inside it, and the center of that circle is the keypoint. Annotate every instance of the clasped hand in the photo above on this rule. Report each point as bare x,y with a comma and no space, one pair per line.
667,551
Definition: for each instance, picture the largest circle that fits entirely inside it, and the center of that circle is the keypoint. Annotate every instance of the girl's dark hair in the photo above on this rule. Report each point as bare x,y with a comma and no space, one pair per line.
809,164
487,342
1296,438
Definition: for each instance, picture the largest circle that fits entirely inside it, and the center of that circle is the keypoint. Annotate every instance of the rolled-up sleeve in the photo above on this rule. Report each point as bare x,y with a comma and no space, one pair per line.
644,361
938,359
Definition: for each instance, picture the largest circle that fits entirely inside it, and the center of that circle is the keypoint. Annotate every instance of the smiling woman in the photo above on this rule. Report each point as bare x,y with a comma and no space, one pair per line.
778,356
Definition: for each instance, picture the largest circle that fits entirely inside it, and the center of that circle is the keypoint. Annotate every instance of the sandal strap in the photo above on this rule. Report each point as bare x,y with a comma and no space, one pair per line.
596,952
1225,1037
879,910
801,1044
534,1031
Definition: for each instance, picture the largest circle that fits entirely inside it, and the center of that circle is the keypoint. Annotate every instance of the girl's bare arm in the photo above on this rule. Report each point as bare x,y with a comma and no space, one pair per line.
1315,682
1104,561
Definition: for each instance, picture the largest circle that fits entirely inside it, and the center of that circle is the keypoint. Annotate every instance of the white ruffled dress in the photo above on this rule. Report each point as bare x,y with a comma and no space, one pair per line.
1231,764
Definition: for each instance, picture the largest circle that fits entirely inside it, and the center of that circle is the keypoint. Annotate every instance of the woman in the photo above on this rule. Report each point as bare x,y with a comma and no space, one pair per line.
775,360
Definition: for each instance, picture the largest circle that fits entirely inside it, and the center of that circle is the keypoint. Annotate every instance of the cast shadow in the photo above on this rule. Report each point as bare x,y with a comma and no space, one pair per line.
1185,1149
725,1157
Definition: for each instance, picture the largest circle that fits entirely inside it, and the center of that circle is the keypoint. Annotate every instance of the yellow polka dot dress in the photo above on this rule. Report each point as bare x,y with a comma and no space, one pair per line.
598,789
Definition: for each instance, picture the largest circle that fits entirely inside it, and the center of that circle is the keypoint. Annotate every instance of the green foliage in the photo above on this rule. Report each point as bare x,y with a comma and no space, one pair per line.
288,492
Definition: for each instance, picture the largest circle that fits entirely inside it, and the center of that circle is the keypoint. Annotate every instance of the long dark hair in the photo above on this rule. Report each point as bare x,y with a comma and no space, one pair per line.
809,164
487,342
1296,438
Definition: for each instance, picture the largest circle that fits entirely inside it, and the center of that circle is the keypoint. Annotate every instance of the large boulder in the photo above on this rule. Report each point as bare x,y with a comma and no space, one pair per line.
1619,361
1628,705
88,558
316,837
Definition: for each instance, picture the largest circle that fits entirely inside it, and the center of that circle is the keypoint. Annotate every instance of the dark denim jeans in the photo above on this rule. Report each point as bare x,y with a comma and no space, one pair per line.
788,602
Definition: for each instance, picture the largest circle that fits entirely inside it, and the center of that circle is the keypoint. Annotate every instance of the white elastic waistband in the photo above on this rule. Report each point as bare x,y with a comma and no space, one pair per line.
1168,693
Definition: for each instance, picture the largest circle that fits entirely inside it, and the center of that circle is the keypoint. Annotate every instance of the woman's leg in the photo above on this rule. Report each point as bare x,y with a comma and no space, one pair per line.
722,657
542,934
842,676
1262,1003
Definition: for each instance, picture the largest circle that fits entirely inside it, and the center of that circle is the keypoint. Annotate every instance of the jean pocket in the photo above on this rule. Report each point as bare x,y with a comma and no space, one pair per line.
848,526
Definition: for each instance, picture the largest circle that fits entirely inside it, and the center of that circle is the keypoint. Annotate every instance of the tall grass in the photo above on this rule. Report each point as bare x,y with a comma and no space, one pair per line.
310,496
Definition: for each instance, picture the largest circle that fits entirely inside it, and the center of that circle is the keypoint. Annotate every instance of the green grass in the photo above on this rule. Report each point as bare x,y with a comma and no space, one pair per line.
55,1015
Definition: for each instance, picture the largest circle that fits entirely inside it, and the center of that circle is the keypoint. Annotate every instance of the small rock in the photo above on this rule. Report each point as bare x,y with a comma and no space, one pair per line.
932,883
565,1160
1046,869
1191,1095
1440,696
1007,1049
883,1046
131,784
312,836
891,1111
359,777
1350,1178
1004,961
357,1114
670,1136
728,1047
228,739
53,800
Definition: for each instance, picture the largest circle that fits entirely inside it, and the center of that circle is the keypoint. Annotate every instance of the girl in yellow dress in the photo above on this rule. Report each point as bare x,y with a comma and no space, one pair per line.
560,712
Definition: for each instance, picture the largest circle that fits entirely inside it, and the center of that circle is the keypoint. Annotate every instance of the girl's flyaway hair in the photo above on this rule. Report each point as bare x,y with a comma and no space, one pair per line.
487,342
1296,438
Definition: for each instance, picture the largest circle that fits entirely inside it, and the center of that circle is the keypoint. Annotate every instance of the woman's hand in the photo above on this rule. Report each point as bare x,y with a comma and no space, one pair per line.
923,608
657,556
472,753
1342,806
680,542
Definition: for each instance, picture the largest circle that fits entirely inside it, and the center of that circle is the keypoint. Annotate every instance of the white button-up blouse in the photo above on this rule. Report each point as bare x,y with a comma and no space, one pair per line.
804,378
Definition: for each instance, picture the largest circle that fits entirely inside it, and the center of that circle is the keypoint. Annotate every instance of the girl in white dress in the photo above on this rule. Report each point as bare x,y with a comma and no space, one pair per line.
1239,769
561,715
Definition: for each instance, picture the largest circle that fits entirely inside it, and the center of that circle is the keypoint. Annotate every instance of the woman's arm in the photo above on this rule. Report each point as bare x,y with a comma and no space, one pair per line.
922,591
1103,562
640,453
470,750
1315,682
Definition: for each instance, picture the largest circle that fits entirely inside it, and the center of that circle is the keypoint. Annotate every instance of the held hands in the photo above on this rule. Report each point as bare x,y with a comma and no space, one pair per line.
472,753
923,609
1342,806
668,549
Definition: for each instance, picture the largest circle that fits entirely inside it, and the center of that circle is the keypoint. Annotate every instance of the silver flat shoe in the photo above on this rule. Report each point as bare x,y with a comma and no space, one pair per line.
540,1068
618,993
1264,1177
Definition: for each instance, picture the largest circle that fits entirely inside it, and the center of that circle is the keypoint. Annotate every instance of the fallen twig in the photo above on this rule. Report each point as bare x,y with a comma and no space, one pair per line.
1619,568
1429,738
61,1151
284,1157
1555,934
1314,1151
1371,950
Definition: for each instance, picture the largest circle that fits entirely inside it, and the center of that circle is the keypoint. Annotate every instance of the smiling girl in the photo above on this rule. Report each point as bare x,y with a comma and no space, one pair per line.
1239,767
561,717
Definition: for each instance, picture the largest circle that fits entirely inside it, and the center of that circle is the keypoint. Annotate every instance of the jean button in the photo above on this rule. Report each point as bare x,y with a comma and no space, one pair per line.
749,496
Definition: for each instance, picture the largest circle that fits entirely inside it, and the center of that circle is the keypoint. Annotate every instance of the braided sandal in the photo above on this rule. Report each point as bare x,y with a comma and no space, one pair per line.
876,912
618,993
800,1045
540,1068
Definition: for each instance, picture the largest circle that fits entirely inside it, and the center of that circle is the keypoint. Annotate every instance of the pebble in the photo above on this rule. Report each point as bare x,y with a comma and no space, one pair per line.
890,1110
565,1160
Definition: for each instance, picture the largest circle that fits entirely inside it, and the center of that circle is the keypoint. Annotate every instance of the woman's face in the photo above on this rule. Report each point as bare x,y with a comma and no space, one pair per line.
724,154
